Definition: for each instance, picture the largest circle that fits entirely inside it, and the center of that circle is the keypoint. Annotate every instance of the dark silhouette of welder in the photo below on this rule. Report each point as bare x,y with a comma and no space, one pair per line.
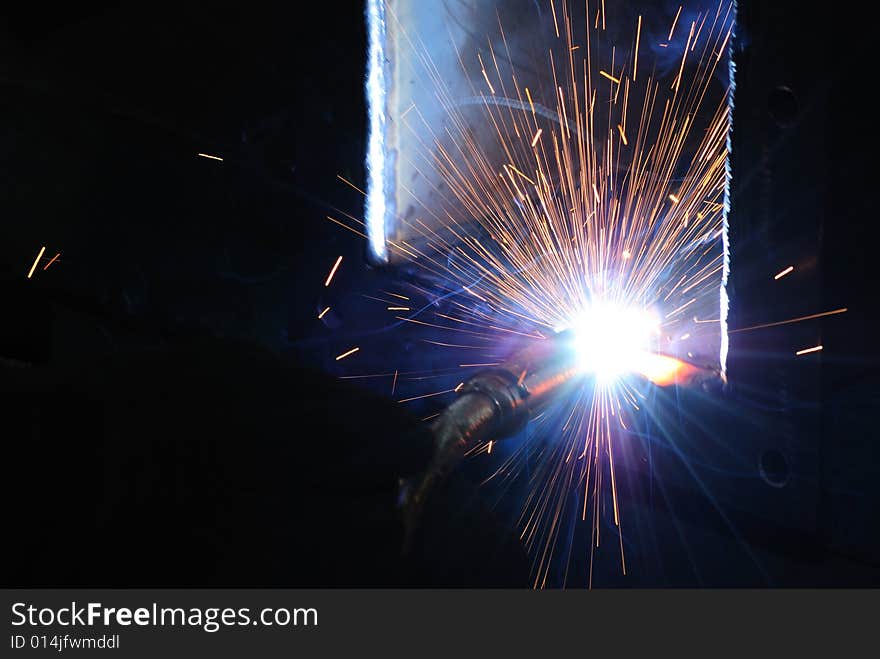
215,463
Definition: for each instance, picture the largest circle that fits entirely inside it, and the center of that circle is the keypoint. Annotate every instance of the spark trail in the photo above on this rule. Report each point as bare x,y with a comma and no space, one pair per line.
606,188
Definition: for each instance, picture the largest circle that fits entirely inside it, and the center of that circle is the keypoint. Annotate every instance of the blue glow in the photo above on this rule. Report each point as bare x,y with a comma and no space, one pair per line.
376,91
725,238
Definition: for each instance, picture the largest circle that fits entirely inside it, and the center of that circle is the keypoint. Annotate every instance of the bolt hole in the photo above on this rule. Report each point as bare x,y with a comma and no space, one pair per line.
774,469
782,105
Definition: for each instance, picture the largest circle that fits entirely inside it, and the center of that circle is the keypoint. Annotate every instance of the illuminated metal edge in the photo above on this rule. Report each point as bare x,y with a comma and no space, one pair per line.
380,168
376,92
725,238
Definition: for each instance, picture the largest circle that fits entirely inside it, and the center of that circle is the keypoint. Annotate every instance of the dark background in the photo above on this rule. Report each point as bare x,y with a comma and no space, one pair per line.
165,418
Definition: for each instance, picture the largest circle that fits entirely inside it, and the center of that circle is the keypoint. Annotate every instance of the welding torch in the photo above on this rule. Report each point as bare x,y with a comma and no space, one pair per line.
497,403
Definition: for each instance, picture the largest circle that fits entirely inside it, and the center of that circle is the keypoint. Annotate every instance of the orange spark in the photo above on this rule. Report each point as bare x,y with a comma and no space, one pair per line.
674,23
636,62
345,226
808,350
54,258
206,155
436,393
485,75
347,353
323,313
37,260
350,184
521,174
723,46
609,76
784,272
332,272
789,321
531,104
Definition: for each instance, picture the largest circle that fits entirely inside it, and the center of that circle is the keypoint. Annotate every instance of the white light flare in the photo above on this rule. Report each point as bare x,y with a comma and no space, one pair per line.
612,341
376,89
